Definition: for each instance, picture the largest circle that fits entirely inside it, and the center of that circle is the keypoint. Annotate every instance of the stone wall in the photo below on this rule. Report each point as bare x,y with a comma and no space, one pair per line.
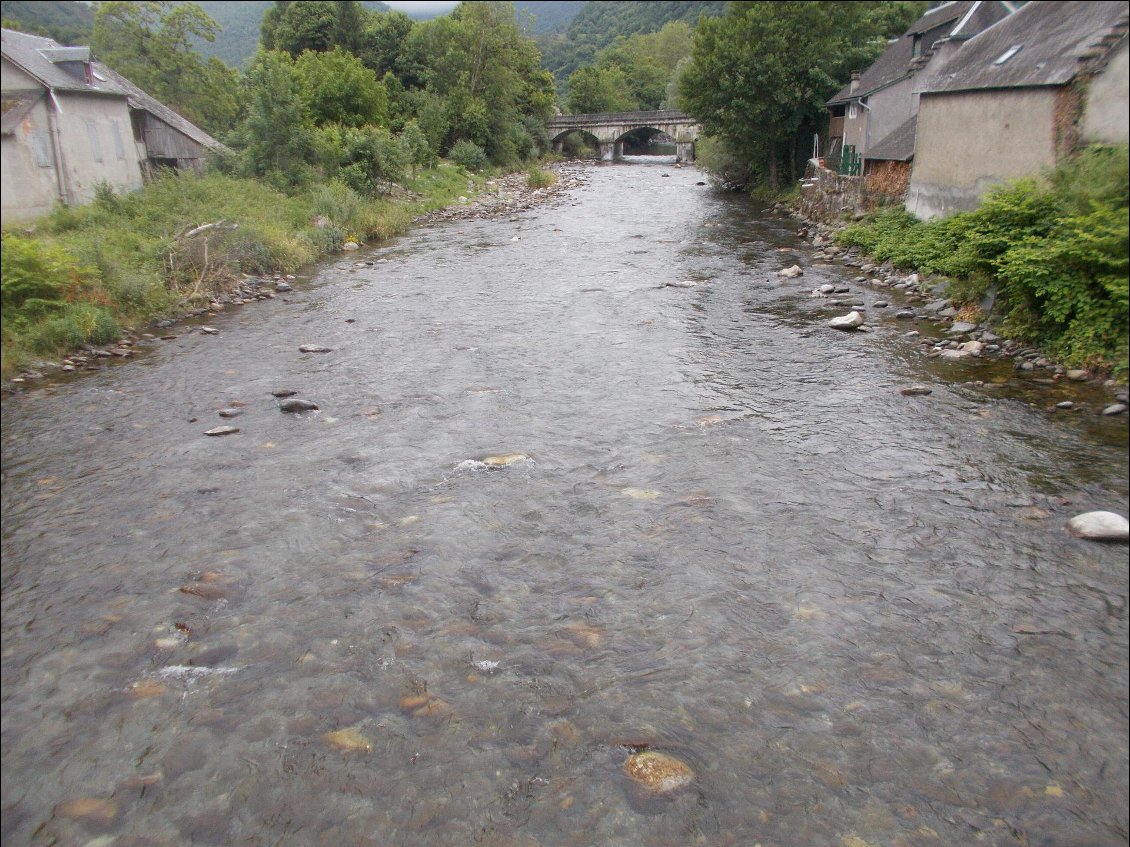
828,196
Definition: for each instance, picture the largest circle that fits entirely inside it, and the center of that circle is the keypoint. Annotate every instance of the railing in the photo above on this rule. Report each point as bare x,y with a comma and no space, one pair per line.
656,116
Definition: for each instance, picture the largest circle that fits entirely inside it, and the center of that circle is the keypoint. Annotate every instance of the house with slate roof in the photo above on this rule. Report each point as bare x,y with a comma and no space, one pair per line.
872,119
1017,98
69,123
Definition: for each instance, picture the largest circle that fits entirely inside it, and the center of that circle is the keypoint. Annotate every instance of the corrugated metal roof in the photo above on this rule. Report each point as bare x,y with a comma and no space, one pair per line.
1043,43
898,146
25,51
16,105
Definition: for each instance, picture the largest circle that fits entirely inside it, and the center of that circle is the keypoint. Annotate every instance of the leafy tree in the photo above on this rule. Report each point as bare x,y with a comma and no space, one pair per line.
765,69
151,43
337,88
414,144
382,40
593,89
276,134
300,25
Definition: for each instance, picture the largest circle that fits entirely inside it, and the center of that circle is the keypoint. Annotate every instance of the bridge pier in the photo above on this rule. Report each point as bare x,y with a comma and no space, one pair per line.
684,151
608,151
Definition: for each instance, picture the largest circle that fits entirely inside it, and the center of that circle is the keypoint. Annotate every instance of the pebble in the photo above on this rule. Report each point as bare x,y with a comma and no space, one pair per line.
295,404
658,772
1078,375
314,348
222,430
1065,404
230,413
209,330
852,320
1099,526
916,391
1115,409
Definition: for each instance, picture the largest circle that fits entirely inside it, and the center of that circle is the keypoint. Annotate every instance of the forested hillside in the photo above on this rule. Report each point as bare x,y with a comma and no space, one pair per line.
548,16
598,25
67,21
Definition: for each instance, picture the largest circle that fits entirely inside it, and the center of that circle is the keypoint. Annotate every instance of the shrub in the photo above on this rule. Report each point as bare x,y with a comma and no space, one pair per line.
538,178
468,154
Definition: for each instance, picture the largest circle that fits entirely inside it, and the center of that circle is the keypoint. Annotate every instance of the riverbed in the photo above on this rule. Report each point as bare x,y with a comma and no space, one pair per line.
558,507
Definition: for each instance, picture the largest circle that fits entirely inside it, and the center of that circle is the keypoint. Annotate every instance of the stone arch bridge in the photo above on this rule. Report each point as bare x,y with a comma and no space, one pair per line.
609,129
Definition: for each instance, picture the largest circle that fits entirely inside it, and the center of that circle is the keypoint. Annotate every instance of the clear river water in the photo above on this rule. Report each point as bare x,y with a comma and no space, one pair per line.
552,513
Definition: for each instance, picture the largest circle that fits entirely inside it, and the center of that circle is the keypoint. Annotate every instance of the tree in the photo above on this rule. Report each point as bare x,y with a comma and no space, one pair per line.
300,25
382,40
151,44
593,89
337,88
764,69
276,133
418,152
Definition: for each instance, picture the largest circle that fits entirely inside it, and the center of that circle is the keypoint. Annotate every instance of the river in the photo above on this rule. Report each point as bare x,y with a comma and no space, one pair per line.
712,528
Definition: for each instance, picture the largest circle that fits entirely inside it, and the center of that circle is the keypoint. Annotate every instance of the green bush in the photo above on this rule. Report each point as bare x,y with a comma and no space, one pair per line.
468,154
538,178
1056,251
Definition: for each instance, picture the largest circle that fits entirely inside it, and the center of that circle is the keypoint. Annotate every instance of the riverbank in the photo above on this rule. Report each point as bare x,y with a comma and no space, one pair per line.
94,283
965,334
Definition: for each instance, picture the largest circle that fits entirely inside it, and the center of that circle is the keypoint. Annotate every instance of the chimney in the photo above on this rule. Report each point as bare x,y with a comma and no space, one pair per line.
854,82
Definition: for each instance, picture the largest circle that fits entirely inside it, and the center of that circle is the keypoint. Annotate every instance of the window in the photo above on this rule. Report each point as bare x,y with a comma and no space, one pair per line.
119,147
41,148
95,144
853,111
916,46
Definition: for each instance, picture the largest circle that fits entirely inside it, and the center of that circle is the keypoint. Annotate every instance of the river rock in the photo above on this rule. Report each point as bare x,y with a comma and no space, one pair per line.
658,772
1065,404
1078,375
505,460
209,330
790,272
973,348
852,320
350,739
1099,526
1115,409
350,246
961,327
314,348
283,392
682,283
916,391
955,354
296,404
222,430
283,287
93,811
230,413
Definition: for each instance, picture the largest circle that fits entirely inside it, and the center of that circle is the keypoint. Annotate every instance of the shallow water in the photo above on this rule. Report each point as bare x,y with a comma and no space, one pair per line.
854,614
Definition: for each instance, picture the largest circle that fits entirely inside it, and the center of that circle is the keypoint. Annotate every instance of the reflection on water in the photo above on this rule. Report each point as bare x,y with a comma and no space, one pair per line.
552,514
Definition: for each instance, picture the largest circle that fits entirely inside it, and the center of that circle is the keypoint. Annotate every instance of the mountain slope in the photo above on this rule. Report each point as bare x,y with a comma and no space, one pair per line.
67,21
549,16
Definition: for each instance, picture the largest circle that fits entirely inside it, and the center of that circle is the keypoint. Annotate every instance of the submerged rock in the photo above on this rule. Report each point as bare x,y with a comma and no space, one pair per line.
916,391
1099,526
93,811
658,772
314,348
230,413
790,272
295,404
348,739
852,320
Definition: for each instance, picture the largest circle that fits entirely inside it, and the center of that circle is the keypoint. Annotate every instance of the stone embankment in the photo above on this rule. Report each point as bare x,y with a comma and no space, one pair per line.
510,195
965,334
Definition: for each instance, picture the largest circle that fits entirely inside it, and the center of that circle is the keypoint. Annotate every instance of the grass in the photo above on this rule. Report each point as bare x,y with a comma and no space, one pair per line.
538,178
85,273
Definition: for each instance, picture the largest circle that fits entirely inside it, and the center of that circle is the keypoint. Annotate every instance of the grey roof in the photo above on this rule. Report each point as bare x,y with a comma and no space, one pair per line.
31,53
898,146
25,51
894,63
16,104
1057,39
138,99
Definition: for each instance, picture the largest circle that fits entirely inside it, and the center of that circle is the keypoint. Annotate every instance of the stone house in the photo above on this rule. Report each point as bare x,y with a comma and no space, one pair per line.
872,119
1016,99
69,123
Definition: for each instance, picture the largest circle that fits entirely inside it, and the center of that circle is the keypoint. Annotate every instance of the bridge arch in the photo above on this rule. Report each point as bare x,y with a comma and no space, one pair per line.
609,128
